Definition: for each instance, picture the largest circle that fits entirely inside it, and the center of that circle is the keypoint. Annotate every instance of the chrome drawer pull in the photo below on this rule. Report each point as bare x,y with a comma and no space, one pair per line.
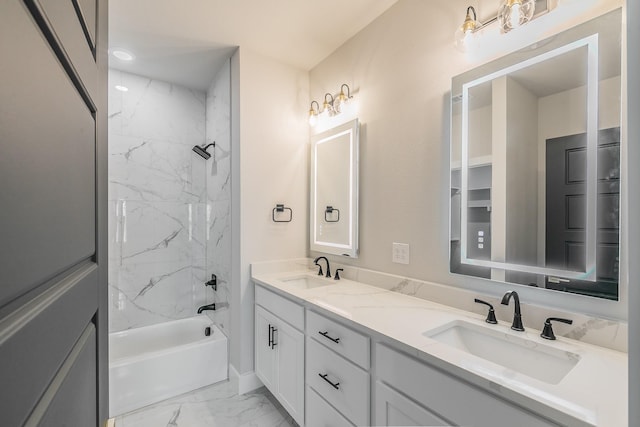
326,335
324,377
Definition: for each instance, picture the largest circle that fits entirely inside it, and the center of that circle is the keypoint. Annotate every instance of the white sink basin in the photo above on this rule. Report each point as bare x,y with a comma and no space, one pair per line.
307,282
520,354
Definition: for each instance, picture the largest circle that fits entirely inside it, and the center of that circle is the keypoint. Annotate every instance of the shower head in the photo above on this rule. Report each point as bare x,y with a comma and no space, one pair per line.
202,151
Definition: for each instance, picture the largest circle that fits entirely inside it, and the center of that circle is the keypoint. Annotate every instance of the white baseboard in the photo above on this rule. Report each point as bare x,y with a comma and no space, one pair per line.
246,382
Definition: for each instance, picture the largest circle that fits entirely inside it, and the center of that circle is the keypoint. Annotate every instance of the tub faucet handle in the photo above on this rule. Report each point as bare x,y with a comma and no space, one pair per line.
213,282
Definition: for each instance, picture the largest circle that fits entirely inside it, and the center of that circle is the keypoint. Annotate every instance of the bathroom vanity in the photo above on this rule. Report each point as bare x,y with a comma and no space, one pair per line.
346,353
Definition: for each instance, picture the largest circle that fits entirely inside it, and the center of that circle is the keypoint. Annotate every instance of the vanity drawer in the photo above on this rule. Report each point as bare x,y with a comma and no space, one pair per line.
350,395
320,414
350,344
441,393
285,309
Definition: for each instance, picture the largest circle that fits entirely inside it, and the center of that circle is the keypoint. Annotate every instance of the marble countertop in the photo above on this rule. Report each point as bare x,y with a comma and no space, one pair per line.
593,392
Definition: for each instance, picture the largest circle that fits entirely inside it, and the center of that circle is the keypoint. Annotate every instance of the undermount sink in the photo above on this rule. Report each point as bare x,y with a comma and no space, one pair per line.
520,354
307,282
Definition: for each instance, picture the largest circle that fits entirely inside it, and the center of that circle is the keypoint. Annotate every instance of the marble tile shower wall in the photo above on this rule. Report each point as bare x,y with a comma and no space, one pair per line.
157,200
218,173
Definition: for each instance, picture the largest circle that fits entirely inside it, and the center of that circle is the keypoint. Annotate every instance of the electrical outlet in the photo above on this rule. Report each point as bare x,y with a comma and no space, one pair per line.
400,253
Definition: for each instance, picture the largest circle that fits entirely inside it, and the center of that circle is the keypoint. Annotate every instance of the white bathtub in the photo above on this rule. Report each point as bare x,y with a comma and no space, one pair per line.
153,363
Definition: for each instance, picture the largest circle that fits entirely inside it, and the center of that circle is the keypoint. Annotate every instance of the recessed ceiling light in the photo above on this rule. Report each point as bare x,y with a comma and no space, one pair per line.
122,88
123,55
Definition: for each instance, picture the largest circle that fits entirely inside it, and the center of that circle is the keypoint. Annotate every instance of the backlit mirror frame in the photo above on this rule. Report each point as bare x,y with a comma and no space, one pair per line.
591,42
589,36
349,131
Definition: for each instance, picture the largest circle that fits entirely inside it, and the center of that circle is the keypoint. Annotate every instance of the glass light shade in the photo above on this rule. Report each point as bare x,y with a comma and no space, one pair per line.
514,13
464,39
313,118
465,34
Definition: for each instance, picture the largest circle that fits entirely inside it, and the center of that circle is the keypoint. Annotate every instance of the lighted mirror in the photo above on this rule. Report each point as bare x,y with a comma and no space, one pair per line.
334,190
535,163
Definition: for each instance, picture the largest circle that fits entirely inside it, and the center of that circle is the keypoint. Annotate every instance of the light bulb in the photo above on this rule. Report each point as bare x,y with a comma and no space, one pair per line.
465,34
514,15
313,119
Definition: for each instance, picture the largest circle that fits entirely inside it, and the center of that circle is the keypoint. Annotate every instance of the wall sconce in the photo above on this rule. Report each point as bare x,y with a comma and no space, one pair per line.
466,32
511,14
313,113
343,99
327,106
342,104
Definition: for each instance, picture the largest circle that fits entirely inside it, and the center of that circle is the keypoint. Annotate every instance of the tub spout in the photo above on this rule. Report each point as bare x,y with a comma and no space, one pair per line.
207,307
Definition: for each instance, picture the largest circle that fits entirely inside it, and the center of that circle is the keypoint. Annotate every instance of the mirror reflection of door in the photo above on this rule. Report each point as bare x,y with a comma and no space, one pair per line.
565,212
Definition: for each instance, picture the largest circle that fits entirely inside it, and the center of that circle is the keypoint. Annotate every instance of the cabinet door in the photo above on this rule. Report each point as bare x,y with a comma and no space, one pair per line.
290,367
265,354
394,409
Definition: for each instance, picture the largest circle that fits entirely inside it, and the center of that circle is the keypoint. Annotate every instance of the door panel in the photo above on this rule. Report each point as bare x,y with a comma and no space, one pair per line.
265,355
35,339
47,161
565,211
52,224
290,361
71,398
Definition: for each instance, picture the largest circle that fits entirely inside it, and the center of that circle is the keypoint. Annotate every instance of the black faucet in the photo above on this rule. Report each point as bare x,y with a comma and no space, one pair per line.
547,333
517,318
315,261
207,307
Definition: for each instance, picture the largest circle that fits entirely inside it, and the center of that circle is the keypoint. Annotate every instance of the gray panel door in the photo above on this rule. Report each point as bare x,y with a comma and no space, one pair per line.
565,211
53,321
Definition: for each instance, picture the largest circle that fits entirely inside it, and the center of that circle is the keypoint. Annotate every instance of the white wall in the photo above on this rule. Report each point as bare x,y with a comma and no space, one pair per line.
270,143
400,67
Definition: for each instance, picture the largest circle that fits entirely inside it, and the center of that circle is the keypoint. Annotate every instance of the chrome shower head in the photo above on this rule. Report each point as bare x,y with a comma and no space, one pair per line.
202,151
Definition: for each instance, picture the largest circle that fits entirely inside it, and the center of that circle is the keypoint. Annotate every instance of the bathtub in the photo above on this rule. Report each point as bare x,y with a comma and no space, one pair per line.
153,363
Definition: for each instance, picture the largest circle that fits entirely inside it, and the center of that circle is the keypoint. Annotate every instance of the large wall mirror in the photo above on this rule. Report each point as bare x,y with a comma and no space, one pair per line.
535,163
334,190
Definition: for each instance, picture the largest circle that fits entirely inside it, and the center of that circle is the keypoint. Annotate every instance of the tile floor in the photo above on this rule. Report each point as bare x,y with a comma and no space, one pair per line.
215,406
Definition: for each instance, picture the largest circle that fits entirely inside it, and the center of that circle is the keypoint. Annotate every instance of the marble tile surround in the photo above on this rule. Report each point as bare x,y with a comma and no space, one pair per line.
218,195
218,405
592,330
162,216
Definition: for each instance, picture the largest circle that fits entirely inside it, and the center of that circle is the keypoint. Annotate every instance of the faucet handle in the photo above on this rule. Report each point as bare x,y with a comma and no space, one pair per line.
337,276
320,272
547,332
491,315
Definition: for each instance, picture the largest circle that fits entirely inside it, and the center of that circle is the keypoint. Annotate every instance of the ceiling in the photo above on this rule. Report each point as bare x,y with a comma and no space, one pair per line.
187,41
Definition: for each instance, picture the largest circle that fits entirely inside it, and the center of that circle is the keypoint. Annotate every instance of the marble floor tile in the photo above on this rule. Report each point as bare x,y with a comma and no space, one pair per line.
215,406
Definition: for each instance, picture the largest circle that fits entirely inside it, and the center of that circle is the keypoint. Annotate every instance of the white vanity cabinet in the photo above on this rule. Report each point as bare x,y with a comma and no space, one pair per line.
279,349
337,373
437,398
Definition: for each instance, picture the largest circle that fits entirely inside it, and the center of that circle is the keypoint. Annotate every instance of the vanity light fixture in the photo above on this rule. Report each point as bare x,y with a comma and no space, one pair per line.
342,104
465,33
511,14
313,113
